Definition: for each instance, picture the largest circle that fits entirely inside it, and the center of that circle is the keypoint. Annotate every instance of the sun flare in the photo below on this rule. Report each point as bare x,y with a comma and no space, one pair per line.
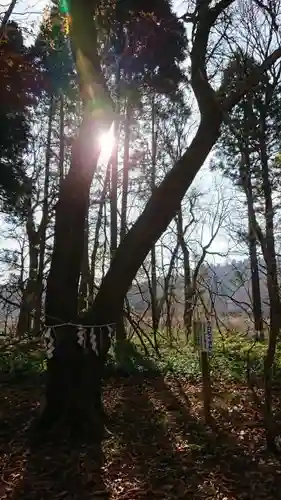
107,141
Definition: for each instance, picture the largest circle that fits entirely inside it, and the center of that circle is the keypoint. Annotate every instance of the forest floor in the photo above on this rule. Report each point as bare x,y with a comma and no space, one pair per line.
159,447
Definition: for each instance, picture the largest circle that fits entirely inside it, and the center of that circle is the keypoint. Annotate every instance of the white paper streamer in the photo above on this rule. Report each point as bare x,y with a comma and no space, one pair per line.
49,336
50,343
110,330
81,334
93,341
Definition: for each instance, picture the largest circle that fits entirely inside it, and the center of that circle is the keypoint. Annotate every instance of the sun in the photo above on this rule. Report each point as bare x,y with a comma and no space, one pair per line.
107,141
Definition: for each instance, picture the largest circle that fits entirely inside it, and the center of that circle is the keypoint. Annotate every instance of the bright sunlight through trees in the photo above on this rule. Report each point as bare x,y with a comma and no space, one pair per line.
107,141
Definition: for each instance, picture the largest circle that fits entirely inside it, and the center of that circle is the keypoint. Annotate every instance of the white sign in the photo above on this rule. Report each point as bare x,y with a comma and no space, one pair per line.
203,335
209,336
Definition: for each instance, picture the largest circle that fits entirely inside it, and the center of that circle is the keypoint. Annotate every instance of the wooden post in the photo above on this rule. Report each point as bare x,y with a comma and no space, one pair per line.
206,386
202,342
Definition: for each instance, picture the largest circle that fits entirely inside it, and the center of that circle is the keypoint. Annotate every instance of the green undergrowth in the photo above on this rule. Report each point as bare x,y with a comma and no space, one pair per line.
18,365
230,359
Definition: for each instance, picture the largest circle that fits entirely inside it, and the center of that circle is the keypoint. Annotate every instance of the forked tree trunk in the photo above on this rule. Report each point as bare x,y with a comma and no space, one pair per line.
71,375
69,362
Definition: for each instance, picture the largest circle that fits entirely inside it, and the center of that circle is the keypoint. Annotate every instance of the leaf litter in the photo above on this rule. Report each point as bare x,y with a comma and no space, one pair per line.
158,446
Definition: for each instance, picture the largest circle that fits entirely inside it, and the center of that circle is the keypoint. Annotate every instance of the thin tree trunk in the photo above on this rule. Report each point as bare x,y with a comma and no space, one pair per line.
255,278
120,327
272,284
121,333
188,295
97,231
154,294
114,172
167,295
125,183
8,13
42,231
113,199
85,270
28,303
62,141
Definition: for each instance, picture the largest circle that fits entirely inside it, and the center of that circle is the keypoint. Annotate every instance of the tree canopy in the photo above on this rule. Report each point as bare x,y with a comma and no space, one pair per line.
18,89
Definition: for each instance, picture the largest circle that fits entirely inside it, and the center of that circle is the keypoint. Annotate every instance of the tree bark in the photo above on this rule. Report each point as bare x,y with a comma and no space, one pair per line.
73,388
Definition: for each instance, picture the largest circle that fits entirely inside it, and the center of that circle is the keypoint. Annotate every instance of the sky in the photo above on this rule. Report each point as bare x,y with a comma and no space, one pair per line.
28,13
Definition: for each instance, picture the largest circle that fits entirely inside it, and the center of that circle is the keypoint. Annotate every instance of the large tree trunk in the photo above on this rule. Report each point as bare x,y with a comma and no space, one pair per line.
73,393
73,372
73,375
71,211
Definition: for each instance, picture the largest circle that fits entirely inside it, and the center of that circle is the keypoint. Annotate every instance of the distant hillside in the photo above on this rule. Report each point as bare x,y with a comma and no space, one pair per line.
229,283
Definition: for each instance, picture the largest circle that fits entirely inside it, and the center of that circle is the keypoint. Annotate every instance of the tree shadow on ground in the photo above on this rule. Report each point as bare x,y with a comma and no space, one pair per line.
159,449
51,469
165,451
129,361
